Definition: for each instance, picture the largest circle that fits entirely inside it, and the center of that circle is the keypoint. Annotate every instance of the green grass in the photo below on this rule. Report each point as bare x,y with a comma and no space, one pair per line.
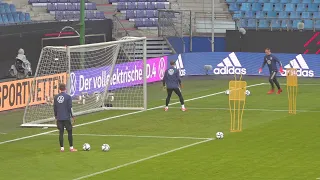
273,144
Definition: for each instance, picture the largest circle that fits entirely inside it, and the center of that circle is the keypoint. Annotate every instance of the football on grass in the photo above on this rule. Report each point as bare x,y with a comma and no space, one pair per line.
86,147
105,147
248,92
219,135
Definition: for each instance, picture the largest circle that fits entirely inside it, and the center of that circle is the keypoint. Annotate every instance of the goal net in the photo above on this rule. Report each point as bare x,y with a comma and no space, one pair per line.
109,75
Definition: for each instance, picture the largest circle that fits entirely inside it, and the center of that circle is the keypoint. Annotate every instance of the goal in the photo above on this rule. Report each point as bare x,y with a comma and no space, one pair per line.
101,76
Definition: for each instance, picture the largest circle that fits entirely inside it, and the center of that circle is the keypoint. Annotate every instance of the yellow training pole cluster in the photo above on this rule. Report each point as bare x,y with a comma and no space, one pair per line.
237,99
292,89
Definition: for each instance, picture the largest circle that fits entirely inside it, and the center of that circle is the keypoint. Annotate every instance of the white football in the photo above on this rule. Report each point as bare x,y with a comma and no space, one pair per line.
248,92
105,147
219,135
86,147
227,92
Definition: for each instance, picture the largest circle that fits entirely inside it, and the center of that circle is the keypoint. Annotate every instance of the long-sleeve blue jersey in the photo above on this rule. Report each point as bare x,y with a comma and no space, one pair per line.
63,106
172,78
271,61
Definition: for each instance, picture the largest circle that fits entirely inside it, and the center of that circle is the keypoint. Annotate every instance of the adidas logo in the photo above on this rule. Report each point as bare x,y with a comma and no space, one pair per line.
230,65
180,66
302,67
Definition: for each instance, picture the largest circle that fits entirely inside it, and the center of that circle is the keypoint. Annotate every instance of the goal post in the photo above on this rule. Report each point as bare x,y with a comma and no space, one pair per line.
100,76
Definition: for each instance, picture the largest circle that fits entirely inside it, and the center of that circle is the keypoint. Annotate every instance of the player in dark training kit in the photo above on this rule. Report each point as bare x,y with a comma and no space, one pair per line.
63,115
172,83
272,62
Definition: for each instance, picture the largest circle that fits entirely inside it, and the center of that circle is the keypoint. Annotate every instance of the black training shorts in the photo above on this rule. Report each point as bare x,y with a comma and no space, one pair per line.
176,90
61,124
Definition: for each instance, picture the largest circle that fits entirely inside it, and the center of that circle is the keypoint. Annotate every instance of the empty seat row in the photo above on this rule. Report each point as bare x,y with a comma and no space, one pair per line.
69,6
146,23
314,7
130,14
55,1
7,8
140,5
273,14
273,1
115,1
264,23
14,18
74,15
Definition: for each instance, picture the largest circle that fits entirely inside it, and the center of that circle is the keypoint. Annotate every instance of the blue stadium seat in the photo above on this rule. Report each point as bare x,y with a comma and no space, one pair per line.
313,7
140,14
28,18
284,1
151,14
308,24
256,7
6,8
317,24
1,22
263,24
274,1
242,23
306,15
22,17
271,14
237,15
160,6
241,1
249,14
230,1
252,23
10,18
245,7
316,1
12,8
295,1
306,1
286,24
275,24
301,7
290,7
141,5
121,6
16,17
278,7
283,15
4,19
267,7
251,1
316,15
260,14
295,15
233,7
2,9
151,5
295,24
130,14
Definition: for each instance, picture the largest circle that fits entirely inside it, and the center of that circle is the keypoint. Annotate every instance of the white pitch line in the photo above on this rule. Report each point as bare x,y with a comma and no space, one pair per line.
141,160
136,136
2,133
227,109
119,116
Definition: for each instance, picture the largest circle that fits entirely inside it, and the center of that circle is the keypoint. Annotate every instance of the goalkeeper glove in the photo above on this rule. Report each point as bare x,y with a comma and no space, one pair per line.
281,70
260,70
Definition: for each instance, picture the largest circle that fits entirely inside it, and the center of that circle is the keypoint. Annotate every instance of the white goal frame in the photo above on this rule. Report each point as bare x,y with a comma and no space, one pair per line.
68,49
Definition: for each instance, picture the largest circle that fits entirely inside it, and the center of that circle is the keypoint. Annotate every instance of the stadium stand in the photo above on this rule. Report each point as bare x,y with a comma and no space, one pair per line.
275,14
9,15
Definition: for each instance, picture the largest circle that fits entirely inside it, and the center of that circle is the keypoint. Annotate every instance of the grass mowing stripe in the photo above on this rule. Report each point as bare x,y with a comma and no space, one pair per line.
119,116
141,160
267,110
136,136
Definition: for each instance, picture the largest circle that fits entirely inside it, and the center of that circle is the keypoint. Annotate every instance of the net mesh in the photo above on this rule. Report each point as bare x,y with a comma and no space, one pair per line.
98,76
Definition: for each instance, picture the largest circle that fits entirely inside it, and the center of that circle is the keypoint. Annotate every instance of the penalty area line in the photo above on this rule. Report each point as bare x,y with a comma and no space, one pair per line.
141,160
137,136
119,116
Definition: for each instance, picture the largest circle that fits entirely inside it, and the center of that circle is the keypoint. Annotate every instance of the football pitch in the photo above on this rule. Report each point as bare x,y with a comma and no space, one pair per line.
176,145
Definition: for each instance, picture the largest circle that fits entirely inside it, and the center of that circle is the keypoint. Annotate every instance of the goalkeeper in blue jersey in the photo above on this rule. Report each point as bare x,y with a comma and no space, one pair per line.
172,83
272,62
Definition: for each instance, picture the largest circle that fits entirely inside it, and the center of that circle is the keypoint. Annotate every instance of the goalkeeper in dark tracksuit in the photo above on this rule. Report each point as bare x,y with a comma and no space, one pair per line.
172,83
272,62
